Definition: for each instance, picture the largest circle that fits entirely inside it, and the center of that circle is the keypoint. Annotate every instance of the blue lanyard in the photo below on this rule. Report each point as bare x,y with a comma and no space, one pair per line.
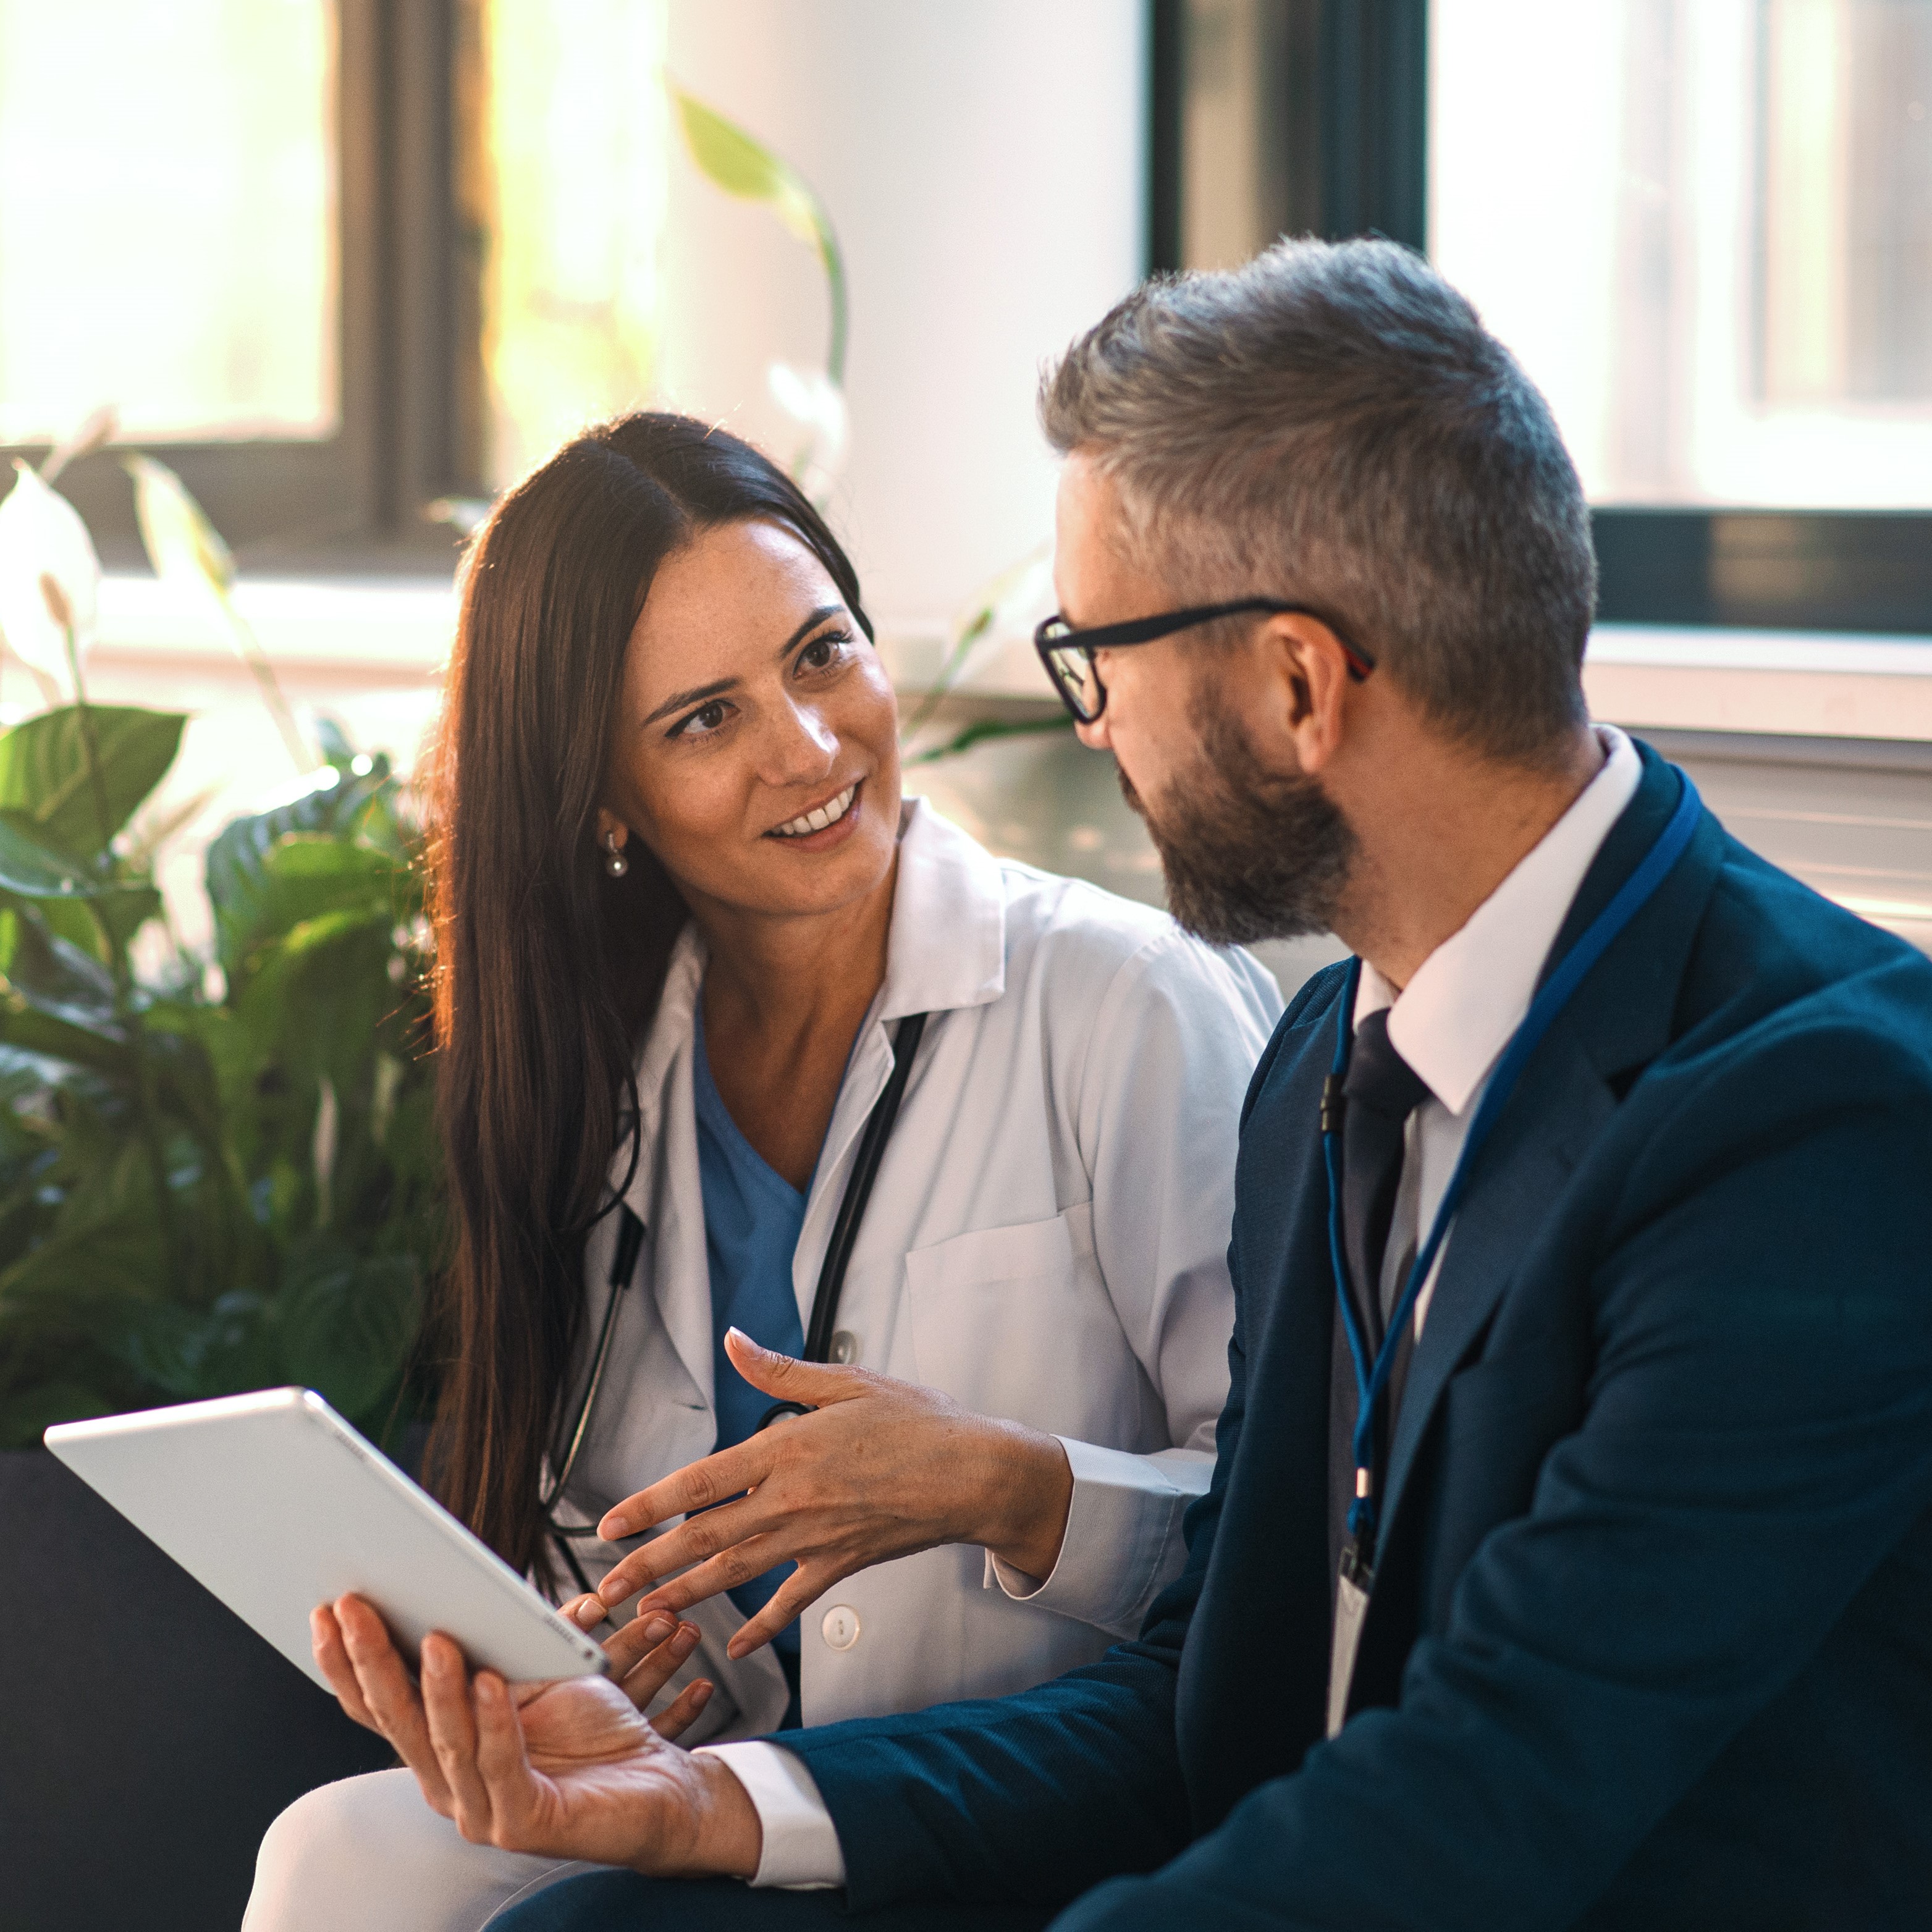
1372,1378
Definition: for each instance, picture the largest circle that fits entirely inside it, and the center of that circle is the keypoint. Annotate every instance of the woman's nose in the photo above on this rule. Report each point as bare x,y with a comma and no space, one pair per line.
807,746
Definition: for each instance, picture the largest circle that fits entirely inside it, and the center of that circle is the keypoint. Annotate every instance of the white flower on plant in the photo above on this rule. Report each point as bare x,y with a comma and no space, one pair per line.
185,548
817,404
42,535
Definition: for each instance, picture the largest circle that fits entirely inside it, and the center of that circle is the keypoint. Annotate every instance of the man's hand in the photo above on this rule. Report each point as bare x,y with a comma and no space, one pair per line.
569,1769
882,1469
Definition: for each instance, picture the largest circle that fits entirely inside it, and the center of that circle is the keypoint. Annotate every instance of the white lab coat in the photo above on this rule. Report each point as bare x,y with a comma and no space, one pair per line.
1046,1241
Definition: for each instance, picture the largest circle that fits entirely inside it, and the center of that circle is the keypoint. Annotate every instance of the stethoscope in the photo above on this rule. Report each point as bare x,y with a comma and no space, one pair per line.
1372,1373
824,1302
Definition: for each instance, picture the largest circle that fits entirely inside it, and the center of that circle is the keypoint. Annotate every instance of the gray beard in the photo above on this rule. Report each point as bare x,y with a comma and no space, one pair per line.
1248,854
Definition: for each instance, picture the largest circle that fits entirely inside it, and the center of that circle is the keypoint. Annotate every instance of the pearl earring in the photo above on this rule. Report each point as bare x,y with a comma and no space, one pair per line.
615,863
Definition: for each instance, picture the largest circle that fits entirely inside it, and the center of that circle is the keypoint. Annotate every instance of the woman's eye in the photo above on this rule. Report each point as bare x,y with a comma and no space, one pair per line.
701,723
822,653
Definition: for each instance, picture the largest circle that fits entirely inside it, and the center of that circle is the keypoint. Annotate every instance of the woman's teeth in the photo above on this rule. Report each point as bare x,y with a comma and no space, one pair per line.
817,820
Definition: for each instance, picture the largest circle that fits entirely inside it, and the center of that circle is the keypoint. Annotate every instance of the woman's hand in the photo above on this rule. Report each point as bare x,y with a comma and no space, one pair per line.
883,1468
568,1769
645,1654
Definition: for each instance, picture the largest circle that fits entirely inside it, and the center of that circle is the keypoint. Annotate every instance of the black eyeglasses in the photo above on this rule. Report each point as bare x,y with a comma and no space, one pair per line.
1068,654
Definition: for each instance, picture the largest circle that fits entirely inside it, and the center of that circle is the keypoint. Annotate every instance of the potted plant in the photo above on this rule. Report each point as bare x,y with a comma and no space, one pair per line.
215,1174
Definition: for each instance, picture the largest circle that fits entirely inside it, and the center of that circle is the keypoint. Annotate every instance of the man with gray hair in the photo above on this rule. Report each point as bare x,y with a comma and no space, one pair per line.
1568,1560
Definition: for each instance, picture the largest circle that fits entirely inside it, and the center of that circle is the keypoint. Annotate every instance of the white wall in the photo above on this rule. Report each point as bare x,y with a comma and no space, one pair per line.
984,163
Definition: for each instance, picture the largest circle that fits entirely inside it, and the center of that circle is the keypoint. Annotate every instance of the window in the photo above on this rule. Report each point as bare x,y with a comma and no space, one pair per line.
1705,225
229,219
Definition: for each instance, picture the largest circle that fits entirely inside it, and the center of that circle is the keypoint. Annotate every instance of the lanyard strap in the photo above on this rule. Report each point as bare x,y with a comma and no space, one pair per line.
1372,1378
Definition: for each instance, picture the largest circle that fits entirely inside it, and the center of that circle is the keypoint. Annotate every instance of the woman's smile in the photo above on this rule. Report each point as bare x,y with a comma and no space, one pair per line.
824,826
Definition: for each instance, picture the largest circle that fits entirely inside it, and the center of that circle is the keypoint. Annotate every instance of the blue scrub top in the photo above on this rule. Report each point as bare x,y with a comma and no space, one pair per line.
752,1219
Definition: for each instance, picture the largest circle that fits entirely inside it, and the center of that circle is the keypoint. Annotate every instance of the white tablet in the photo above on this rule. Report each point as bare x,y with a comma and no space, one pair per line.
273,1502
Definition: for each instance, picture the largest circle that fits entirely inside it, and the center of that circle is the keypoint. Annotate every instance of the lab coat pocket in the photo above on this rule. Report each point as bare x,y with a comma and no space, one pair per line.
1017,1322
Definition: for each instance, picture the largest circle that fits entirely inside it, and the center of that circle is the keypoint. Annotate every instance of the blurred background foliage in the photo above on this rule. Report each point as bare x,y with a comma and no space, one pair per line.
216,1174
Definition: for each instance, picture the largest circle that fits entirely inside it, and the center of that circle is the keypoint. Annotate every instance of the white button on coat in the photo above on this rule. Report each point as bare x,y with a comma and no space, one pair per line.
1046,1241
840,1627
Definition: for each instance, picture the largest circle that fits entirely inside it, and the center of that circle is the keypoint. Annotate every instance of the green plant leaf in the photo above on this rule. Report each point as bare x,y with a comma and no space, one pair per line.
44,774
985,729
305,881
88,1276
55,976
80,1043
347,1326
335,804
744,167
25,1414
30,869
193,1354
733,160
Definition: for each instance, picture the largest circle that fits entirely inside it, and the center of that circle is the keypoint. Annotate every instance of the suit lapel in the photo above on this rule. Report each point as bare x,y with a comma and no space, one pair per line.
1619,1019
1525,1167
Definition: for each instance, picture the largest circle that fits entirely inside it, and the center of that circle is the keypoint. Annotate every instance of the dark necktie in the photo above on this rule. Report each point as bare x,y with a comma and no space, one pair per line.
1381,1091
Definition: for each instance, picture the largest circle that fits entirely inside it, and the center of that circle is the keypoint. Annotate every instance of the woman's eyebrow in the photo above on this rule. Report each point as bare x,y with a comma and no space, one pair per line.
694,696
811,624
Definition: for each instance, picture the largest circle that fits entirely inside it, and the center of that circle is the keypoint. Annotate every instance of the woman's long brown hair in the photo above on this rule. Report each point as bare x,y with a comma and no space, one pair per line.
548,971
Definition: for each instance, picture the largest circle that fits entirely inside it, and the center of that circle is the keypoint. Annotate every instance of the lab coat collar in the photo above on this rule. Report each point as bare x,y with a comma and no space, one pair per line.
947,947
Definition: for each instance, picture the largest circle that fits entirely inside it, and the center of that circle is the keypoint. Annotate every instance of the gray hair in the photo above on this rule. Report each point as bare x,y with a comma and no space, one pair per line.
1332,424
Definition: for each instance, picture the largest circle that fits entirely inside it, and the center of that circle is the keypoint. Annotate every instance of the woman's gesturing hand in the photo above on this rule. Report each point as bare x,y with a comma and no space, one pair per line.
881,1469
568,1769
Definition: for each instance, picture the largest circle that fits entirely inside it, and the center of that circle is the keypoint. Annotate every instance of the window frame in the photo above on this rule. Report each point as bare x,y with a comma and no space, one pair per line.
352,501
1356,109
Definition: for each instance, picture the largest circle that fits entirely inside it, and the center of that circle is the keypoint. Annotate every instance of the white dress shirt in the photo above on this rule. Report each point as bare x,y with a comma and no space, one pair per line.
1450,1023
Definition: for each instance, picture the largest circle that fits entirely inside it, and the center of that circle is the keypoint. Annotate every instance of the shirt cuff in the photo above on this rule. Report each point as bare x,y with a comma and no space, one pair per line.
1123,1544
801,1851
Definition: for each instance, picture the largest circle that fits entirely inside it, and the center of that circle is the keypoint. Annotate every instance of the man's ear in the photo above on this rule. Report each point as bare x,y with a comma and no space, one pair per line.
1303,691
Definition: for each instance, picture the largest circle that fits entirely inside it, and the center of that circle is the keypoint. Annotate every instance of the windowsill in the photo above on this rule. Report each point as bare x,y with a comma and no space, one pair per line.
386,631
1806,683
368,631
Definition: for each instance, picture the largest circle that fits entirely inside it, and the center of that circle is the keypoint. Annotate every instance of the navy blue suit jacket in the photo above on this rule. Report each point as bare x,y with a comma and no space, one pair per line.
1651,1645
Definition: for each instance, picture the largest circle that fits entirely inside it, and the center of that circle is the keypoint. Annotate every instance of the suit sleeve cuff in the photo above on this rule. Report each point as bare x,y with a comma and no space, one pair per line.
801,1851
1123,1543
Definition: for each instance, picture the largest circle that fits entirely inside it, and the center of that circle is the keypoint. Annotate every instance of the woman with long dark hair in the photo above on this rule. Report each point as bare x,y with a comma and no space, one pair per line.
745,1059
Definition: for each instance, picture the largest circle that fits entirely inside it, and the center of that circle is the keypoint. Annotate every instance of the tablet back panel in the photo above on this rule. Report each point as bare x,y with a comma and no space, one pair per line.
276,1504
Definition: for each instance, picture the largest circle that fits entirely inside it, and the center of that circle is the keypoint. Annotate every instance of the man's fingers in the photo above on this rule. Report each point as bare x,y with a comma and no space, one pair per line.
697,1486
391,1698
502,1762
331,1659
678,1716
452,1733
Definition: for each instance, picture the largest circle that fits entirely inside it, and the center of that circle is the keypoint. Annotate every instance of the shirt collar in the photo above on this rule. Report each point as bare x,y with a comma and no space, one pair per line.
1456,1014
